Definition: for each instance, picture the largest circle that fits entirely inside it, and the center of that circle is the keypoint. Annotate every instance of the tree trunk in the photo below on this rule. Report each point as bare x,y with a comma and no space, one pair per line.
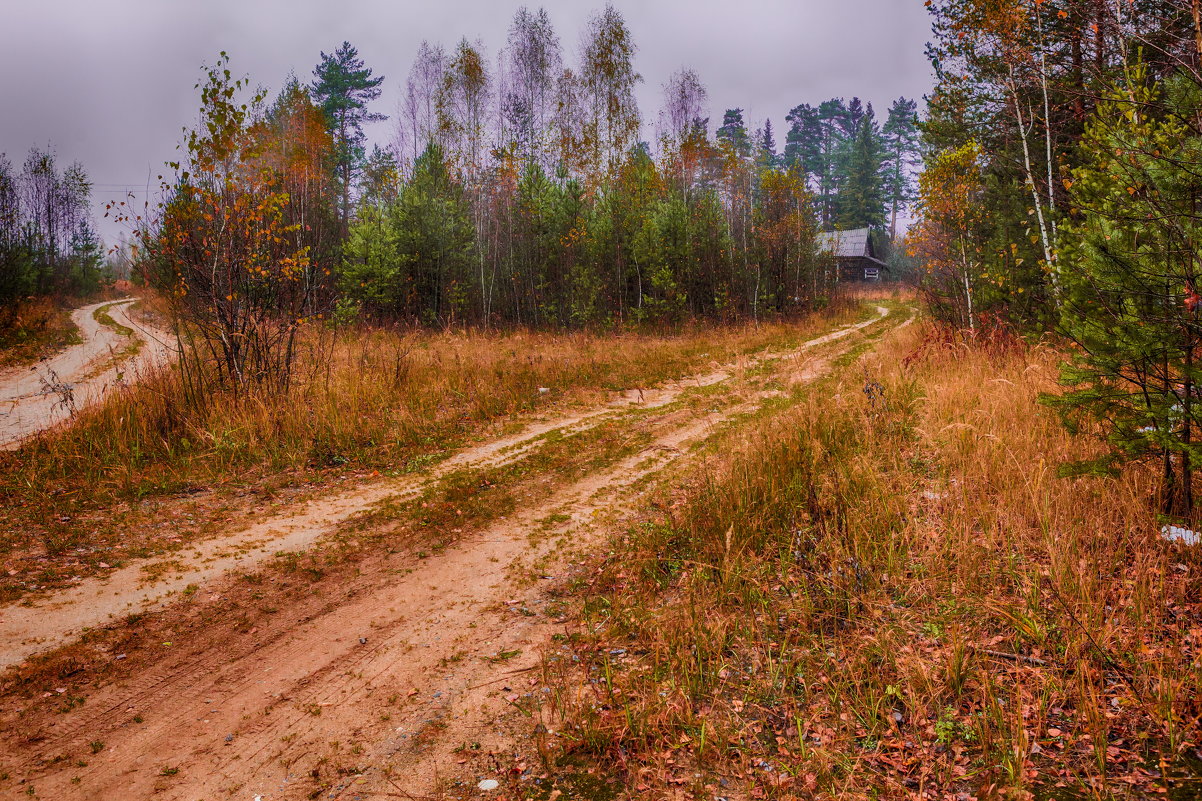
1078,78
1047,131
1187,481
1023,133
1197,10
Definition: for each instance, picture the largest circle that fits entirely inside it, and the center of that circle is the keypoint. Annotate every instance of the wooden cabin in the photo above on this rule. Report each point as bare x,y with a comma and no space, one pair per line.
853,254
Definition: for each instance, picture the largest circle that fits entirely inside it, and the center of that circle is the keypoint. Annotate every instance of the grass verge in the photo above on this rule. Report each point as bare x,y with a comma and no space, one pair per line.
102,316
35,329
886,592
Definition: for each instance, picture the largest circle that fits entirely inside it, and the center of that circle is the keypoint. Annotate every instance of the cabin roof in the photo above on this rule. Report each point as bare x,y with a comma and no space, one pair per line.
852,244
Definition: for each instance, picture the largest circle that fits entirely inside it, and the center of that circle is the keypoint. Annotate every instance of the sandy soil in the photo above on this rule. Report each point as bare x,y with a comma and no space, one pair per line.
35,398
406,678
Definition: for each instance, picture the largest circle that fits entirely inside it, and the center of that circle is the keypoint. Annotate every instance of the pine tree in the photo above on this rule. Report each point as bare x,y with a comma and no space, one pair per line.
861,202
734,132
86,259
900,139
343,87
852,116
803,142
415,256
832,123
1130,299
436,240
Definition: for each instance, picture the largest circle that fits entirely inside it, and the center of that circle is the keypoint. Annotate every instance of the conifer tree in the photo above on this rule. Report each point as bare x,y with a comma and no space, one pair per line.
832,117
734,132
861,202
803,142
900,140
342,87
766,147
1131,298
414,257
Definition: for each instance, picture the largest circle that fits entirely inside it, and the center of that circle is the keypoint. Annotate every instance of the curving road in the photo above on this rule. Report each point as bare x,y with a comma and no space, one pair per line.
37,397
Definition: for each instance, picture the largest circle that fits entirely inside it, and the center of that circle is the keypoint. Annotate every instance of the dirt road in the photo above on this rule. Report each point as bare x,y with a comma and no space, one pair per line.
410,675
35,398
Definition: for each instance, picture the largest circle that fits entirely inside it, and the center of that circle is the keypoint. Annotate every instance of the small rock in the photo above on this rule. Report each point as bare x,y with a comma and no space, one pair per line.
488,784
363,641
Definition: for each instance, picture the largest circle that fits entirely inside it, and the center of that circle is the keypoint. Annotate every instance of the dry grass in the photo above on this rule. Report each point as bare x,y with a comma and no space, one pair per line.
34,329
895,596
382,401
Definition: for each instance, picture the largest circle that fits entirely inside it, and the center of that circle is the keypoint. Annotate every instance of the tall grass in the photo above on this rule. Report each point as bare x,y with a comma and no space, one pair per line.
887,592
33,329
366,400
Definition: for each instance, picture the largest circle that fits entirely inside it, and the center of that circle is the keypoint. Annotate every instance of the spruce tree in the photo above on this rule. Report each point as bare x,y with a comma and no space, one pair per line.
766,147
861,202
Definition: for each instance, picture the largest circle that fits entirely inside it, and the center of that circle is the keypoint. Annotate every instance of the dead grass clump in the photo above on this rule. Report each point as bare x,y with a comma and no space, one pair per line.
877,599
33,329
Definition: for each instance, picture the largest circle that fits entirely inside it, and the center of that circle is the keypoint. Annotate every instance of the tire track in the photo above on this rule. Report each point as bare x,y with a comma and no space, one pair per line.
96,601
397,669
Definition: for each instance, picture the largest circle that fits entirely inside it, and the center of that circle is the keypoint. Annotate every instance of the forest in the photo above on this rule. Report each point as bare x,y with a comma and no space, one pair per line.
518,191
1060,194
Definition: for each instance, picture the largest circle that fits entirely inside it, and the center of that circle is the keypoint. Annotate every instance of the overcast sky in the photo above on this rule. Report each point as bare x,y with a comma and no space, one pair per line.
110,82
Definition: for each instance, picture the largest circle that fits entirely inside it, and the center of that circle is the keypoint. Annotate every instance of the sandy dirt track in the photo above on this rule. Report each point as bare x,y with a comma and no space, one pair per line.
37,397
402,683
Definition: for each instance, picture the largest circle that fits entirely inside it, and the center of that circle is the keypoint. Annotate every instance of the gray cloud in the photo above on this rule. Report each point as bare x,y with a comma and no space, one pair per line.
110,83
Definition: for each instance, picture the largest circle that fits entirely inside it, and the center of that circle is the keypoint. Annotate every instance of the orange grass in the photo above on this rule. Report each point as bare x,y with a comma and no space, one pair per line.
33,329
381,401
895,597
